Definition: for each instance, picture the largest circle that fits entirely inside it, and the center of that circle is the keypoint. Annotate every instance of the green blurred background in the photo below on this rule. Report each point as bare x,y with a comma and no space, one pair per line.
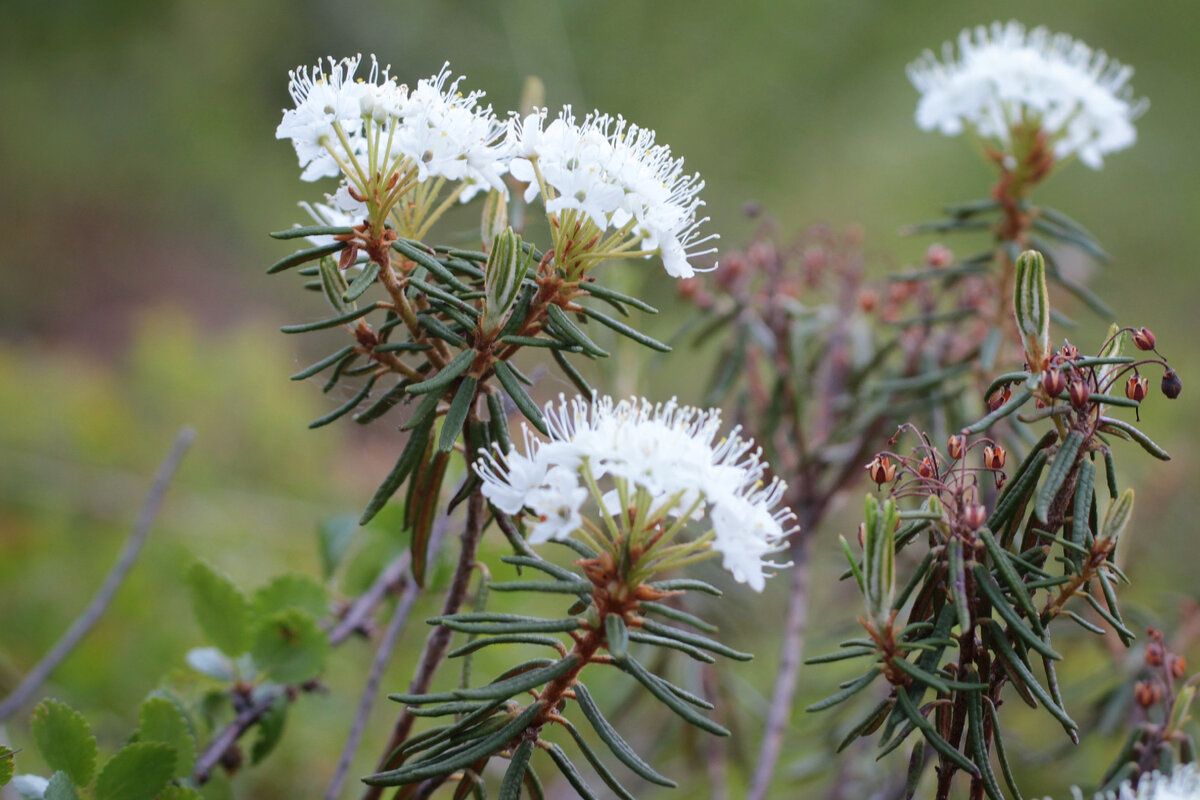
140,175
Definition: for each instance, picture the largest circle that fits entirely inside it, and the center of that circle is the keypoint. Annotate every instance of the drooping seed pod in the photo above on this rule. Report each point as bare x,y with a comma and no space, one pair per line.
1177,666
974,516
1144,339
881,469
1171,385
1147,693
926,468
1079,393
1069,351
1154,654
999,398
956,446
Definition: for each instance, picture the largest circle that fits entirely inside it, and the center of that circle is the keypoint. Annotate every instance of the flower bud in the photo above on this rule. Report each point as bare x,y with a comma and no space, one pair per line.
881,469
506,267
1054,382
1154,654
1079,392
1031,307
1144,339
993,457
956,446
975,516
1171,385
1136,388
1147,693
1069,351
939,256
926,469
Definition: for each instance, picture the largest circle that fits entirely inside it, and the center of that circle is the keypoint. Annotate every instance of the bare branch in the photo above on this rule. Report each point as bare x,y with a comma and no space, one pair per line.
100,603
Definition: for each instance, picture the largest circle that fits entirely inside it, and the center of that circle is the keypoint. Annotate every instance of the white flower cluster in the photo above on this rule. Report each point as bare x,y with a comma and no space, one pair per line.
669,451
1005,76
615,175
443,133
1182,784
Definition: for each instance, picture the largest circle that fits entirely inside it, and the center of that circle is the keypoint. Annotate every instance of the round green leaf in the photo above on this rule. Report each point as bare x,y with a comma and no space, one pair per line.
289,646
162,721
138,771
221,609
65,740
6,764
291,591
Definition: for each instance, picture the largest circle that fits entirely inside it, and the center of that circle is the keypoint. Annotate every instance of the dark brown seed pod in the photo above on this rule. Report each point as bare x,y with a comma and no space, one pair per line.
1171,385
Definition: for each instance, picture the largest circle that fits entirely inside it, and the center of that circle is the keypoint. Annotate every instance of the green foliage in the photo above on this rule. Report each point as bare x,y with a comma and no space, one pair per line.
161,720
289,646
137,771
221,608
270,729
60,788
291,590
7,764
65,740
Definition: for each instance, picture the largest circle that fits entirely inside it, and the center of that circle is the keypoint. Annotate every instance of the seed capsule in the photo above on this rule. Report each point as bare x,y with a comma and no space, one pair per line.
1154,654
1171,385
1144,339
1177,666
1054,382
1079,392
956,446
881,469
999,398
1069,351
1147,693
926,468
1136,388
993,457
975,516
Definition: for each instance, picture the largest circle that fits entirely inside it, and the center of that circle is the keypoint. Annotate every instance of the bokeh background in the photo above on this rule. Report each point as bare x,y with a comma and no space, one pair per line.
140,175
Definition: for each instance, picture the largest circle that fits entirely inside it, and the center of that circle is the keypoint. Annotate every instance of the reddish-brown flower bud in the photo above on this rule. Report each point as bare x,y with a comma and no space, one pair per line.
1069,351
881,469
868,299
1177,666
975,516
1144,339
1171,385
1147,693
939,256
1154,654
1054,382
999,398
1079,392
956,446
1136,388
993,457
926,468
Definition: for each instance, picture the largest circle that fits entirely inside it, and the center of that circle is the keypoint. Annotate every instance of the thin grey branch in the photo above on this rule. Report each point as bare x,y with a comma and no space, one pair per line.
100,603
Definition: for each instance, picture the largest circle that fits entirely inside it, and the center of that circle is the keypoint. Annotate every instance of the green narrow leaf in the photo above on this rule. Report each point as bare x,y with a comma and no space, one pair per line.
332,322
421,506
522,400
686,585
1085,487
659,689
485,746
626,331
304,256
529,625
1116,517
457,366
346,407
1001,753
523,682
324,363
513,638
359,285
414,449
161,720
916,766
613,740
858,576
1016,625
670,612
1031,306
138,771
1012,405
868,724
1060,468
598,765
413,252
456,417
958,583
569,771
847,692
440,330
221,609
573,374
311,230
291,590
624,299
1000,558
498,422
514,776
671,644
978,739
694,639
65,740
1017,669
933,737
333,284
290,646
572,332
924,677
270,729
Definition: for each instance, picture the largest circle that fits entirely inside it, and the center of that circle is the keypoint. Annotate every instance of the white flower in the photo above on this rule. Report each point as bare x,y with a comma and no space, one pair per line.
668,455
614,174
322,100
1004,77
1182,784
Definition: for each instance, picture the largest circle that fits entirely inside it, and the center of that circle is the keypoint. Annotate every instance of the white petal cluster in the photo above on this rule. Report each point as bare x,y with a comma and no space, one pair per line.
441,131
1182,784
613,173
1005,76
671,451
